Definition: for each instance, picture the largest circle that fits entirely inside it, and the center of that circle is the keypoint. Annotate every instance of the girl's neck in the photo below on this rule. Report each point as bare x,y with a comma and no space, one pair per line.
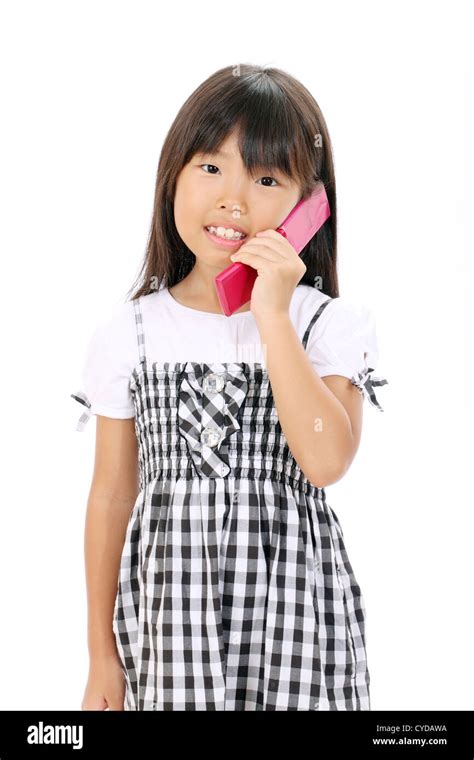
198,292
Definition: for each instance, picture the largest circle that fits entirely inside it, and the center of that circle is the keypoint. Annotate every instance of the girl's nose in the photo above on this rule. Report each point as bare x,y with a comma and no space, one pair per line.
238,208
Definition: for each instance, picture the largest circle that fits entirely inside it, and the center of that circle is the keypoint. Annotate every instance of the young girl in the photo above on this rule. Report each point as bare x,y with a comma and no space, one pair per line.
221,560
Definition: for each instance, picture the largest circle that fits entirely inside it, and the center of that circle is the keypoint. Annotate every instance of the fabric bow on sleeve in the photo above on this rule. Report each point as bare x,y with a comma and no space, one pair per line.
365,383
86,414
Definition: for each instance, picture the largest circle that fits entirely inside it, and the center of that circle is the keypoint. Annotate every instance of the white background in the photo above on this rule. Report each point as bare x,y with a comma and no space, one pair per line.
88,92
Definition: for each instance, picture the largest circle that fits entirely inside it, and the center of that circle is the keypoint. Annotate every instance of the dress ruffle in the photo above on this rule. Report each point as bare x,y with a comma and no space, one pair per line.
208,407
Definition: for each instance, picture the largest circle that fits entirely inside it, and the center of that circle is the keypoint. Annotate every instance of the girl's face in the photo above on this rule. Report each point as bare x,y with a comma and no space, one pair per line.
216,190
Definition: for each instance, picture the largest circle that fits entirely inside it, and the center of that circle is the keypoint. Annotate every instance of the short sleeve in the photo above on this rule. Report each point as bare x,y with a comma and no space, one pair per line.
106,373
343,341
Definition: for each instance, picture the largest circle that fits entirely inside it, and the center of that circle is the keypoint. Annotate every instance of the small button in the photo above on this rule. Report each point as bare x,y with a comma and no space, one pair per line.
235,496
210,436
314,704
213,383
224,469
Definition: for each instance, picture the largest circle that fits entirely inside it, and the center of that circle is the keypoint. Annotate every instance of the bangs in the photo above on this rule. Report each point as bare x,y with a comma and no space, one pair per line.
270,134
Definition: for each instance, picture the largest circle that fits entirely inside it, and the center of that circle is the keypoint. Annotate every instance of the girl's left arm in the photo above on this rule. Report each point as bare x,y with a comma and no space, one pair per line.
322,425
323,433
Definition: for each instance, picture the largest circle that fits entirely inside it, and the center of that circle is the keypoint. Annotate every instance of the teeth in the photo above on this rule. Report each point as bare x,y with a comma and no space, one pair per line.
228,234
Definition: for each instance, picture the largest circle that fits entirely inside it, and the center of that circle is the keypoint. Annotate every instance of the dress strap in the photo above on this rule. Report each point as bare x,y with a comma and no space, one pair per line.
140,331
313,320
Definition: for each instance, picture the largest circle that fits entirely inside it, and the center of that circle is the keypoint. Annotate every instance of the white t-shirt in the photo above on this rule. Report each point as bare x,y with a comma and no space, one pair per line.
342,341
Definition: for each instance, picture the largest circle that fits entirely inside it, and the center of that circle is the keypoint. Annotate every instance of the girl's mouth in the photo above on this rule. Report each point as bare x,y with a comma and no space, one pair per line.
224,242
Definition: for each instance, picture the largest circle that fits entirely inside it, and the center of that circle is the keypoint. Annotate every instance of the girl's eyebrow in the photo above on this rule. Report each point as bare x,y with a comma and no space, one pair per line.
221,153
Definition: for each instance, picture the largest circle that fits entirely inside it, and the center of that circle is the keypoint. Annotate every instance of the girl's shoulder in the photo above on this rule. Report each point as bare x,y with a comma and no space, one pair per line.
313,308
110,354
115,330
341,339
118,327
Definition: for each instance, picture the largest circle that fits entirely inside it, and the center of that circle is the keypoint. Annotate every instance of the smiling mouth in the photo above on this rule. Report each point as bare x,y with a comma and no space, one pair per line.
225,242
229,234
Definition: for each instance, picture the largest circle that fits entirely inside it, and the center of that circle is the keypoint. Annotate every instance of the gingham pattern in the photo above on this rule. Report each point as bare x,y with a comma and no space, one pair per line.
200,410
235,591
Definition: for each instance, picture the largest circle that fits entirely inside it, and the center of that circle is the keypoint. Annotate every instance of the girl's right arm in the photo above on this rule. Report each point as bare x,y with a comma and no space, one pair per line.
112,495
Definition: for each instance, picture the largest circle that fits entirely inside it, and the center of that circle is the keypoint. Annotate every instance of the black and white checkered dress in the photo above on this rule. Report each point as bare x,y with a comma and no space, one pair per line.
235,590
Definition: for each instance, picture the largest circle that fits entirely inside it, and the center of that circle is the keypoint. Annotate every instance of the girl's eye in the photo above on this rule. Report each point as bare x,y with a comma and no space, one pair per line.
215,167
272,179
262,178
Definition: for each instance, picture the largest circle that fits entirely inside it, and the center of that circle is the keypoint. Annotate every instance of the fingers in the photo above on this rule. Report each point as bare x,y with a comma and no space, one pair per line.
278,244
255,253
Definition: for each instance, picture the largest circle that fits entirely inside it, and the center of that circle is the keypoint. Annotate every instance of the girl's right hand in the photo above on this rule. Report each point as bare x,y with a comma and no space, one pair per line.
105,689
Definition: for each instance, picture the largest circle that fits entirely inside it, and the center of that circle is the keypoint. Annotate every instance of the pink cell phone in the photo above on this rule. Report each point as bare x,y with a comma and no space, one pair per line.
235,283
